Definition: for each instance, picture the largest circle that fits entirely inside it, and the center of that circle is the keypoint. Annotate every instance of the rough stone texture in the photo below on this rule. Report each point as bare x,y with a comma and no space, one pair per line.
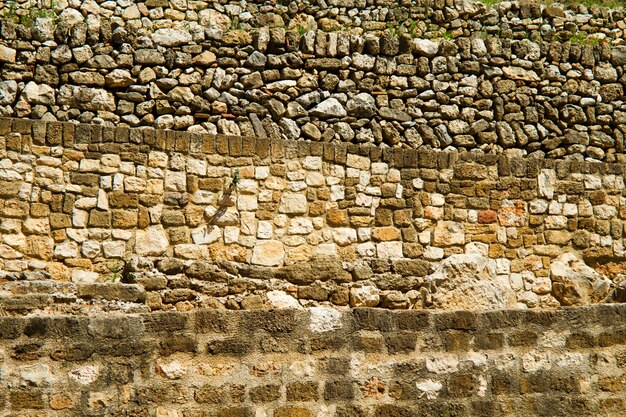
512,79
208,220
362,362
469,282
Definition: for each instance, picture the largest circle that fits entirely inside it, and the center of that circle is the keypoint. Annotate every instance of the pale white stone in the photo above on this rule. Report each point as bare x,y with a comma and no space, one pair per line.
85,203
379,168
429,388
247,203
151,241
175,181
344,236
538,206
77,235
85,374
296,186
312,163
39,226
292,203
114,249
324,319
337,192
442,365
367,250
315,179
268,253
37,375
570,210
546,181
469,281
282,300
157,159
264,229
66,250
433,253
503,266
389,250
248,186
437,200
592,182
173,370
91,248
366,296
261,173
231,234
300,226
80,276
326,249
206,234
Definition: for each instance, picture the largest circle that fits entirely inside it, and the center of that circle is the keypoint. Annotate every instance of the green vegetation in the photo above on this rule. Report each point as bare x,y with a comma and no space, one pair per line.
409,26
115,266
11,12
588,3
583,38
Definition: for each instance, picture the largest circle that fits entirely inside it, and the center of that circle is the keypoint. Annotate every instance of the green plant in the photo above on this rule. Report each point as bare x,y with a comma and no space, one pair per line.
26,16
490,3
301,29
583,38
115,267
234,182
408,26
447,35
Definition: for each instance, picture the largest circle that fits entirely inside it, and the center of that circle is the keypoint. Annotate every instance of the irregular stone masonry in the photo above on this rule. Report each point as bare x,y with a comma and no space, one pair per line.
519,78
143,219
317,363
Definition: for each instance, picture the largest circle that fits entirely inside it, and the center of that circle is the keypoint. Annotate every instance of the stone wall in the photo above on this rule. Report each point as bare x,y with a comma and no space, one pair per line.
140,219
316,363
517,78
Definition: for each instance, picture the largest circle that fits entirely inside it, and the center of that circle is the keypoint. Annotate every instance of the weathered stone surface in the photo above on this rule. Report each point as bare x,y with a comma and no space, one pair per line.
366,296
469,282
151,242
268,253
575,283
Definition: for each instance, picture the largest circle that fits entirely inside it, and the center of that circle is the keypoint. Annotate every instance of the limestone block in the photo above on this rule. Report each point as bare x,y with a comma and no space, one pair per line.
366,296
268,253
291,203
151,241
282,300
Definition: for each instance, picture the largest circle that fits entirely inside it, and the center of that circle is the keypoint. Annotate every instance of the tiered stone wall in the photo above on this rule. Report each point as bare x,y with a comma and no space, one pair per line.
317,363
185,220
436,74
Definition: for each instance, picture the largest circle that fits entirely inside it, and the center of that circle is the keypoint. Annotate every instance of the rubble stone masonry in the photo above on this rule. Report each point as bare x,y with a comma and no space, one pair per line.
363,362
155,219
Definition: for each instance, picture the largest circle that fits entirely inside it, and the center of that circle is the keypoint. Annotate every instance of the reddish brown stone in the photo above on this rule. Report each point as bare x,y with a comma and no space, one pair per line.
487,216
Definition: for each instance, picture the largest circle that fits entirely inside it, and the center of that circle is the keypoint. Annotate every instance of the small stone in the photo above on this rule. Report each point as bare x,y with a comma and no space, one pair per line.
282,300
329,108
367,296
151,242
268,253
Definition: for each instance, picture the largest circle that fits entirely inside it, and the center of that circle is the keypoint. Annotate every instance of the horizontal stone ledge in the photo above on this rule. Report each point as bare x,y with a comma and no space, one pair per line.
315,320
133,141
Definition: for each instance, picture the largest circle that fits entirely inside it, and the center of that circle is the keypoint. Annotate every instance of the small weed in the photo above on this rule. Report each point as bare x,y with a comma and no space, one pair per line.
234,182
301,29
26,16
490,3
582,38
447,35
408,26
115,267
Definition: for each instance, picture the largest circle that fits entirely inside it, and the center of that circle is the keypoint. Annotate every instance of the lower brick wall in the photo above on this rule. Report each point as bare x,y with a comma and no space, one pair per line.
317,362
